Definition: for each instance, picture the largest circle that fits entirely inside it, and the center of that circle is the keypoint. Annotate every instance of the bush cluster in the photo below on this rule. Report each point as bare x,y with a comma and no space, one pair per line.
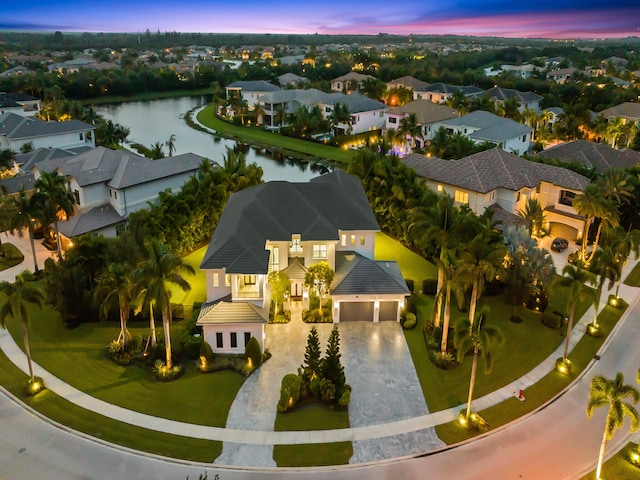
315,314
319,378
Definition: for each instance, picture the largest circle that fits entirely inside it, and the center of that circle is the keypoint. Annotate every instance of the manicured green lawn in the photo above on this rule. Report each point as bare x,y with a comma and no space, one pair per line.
634,277
526,345
12,256
618,467
412,265
312,417
540,392
66,413
257,134
77,357
198,292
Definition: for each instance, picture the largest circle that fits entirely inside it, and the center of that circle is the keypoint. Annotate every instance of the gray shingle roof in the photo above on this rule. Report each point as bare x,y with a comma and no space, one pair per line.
27,160
357,103
491,169
358,275
134,170
503,94
591,155
626,109
426,111
491,127
15,126
277,210
409,82
231,312
97,218
13,184
254,86
439,87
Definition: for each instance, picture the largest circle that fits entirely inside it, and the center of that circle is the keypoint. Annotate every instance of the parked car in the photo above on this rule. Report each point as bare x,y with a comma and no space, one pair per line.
559,244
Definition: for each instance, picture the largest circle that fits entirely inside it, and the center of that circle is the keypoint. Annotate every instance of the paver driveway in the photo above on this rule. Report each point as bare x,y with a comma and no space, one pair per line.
377,365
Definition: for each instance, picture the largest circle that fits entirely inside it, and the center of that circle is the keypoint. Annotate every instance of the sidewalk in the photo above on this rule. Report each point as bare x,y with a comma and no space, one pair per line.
24,245
261,437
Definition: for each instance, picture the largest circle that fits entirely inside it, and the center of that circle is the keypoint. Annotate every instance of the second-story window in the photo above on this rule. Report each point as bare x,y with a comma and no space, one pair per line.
296,244
319,251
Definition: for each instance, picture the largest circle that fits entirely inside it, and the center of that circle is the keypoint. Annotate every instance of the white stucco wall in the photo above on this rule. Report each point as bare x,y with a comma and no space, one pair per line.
62,140
365,250
368,121
255,329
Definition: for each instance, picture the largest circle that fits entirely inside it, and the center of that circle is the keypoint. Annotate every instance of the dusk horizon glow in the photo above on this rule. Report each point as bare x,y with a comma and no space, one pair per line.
548,19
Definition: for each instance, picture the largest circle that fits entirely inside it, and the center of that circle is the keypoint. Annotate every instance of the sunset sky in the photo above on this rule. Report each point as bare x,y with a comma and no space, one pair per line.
507,18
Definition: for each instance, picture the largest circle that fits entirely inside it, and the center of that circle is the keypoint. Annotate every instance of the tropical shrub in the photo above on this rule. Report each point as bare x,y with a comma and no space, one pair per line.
254,352
206,352
289,392
164,373
410,321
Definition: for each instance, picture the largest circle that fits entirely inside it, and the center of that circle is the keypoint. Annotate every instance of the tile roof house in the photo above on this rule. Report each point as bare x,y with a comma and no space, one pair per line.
629,111
19,103
16,130
289,226
291,79
500,95
439,92
250,90
481,126
429,116
366,114
110,184
497,179
592,155
408,82
349,83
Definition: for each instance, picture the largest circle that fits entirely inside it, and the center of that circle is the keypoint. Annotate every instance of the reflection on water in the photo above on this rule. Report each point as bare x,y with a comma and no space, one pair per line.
156,120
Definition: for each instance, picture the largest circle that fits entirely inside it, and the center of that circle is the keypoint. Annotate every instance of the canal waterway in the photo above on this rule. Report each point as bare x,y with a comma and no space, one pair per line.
156,120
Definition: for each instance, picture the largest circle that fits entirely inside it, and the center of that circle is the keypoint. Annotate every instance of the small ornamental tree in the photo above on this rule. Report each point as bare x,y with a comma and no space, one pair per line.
253,351
319,277
332,368
312,356
280,285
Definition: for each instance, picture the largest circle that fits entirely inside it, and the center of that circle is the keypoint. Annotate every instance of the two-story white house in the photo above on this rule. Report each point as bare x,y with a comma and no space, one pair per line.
439,92
110,184
504,182
17,130
249,90
288,227
350,83
366,114
481,126
499,95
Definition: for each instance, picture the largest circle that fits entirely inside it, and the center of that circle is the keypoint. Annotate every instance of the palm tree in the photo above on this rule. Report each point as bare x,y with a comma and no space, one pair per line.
52,193
115,287
162,268
532,217
280,115
17,296
171,144
624,243
156,151
438,144
615,131
7,158
591,204
481,339
613,394
24,209
576,279
411,129
481,260
459,102
605,267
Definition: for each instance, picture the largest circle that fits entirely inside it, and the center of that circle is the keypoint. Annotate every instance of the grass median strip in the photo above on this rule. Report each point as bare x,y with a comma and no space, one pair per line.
312,417
96,425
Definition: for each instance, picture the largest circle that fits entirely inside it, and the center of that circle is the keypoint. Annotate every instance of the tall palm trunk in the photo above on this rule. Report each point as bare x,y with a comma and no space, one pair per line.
58,244
569,328
603,444
595,243
596,305
473,303
152,326
27,351
123,327
166,320
33,249
447,315
585,238
472,382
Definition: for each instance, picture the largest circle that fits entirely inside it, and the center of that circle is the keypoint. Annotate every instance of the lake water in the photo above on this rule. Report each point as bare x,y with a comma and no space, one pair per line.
156,120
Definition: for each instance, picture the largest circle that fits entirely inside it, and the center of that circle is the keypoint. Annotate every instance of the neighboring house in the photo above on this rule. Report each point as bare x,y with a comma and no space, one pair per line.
481,126
554,116
70,66
429,116
629,111
16,72
500,95
291,59
16,130
441,92
19,103
522,71
110,184
592,155
504,182
250,90
408,82
349,83
291,79
288,227
366,114
563,74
